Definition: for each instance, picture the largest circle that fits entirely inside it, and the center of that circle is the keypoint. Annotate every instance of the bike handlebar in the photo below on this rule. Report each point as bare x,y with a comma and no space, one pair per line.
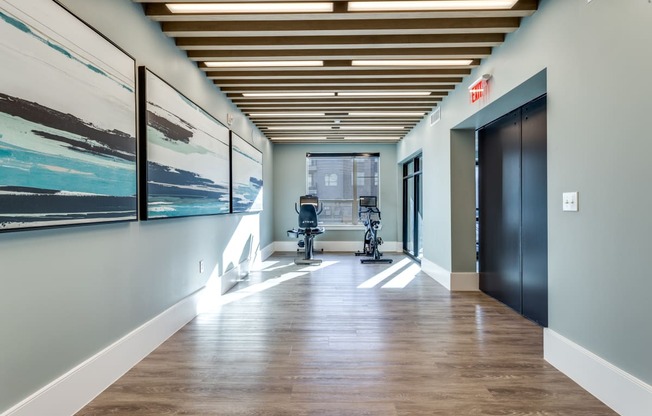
369,210
318,209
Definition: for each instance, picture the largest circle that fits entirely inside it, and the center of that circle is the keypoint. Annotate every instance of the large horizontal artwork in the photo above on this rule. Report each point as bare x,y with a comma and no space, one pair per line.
67,121
247,176
185,156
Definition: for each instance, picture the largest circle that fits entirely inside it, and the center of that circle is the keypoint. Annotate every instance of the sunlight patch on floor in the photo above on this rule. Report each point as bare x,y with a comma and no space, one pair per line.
404,278
280,266
385,274
264,265
323,265
212,301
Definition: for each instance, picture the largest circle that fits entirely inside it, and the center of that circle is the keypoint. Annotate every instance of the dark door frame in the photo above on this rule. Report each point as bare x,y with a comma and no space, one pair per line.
416,174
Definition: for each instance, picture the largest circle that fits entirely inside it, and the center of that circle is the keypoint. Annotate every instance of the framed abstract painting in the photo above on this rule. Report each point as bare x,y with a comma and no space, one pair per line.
246,176
184,154
67,121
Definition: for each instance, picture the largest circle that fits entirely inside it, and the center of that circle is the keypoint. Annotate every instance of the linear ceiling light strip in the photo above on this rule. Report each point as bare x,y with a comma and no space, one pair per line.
339,94
288,94
398,6
386,114
257,64
384,93
230,8
411,62
286,114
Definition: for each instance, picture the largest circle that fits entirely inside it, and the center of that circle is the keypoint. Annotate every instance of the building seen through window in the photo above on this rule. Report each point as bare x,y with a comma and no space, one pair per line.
338,180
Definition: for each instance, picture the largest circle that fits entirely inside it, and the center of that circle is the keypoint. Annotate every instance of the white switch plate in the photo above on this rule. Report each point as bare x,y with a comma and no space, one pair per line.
569,200
201,266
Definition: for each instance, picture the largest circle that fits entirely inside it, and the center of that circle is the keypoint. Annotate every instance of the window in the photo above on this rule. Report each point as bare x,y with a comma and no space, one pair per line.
330,180
338,179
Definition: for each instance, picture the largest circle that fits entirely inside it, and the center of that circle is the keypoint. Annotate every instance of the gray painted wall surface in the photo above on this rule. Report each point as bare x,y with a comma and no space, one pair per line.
67,293
290,183
598,144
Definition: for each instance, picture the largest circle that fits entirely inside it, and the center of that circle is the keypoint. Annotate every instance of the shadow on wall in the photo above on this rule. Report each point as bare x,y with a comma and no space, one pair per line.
240,253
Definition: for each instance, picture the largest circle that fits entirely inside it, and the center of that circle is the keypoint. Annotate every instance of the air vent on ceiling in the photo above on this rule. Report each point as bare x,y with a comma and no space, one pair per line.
435,116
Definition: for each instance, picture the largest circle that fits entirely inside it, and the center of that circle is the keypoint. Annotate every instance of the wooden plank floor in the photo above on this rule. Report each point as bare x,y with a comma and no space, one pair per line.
310,341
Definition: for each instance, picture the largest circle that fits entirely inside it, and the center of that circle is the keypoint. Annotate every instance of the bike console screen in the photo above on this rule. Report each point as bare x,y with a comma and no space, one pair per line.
368,202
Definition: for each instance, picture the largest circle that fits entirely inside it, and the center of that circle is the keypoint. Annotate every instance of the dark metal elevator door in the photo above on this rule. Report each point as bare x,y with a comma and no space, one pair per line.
499,153
534,229
513,243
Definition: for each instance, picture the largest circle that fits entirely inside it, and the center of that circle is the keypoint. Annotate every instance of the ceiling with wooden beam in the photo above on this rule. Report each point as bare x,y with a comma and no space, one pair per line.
311,76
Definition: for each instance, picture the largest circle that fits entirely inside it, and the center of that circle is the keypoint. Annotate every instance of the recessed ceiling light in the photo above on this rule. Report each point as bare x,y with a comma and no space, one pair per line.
255,64
289,7
307,114
288,94
387,114
395,6
412,62
384,93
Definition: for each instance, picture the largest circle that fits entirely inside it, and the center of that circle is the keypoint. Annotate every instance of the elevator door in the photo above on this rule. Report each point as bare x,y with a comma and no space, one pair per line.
513,243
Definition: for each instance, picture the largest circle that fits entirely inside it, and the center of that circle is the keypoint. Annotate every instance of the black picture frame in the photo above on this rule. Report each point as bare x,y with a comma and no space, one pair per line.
184,154
68,149
246,176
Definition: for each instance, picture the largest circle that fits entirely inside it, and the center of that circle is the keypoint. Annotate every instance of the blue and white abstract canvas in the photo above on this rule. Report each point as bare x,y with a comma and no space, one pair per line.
187,167
247,176
67,121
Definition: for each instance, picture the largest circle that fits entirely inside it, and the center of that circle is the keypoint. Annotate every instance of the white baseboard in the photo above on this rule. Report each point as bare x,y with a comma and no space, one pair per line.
233,276
455,282
461,282
619,390
337,246
267,251
73,390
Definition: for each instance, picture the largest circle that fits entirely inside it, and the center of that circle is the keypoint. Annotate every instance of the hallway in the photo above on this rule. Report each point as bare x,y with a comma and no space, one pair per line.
348,339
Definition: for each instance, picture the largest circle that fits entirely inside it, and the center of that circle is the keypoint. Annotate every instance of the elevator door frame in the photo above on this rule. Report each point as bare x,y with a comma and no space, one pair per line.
512,191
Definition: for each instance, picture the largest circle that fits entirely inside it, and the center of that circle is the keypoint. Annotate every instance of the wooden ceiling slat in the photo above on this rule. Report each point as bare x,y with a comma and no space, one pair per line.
332,132
245,101
331,115
343,27
336,86
159,12
437,90
339,107
332,73
340,81
331,42
340,66
346,140
347,123
343,54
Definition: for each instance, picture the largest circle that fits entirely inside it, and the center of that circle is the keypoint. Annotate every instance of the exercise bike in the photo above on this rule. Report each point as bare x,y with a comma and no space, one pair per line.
309,208
369,215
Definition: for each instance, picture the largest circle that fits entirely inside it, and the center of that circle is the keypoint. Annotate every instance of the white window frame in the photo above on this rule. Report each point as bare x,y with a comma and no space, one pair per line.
312,182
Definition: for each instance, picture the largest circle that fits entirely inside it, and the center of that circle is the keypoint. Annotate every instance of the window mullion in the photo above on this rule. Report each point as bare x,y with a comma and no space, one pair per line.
354,219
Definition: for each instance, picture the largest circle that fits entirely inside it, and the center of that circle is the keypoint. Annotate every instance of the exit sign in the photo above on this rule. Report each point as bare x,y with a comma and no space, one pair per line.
479,90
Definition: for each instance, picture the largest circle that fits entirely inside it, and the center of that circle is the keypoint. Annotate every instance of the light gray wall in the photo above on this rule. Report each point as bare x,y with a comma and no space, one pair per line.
67,293
290,183
598,144
463,202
